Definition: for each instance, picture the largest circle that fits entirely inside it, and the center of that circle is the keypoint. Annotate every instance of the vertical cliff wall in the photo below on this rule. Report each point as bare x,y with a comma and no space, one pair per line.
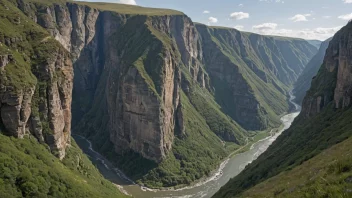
332,83
36,82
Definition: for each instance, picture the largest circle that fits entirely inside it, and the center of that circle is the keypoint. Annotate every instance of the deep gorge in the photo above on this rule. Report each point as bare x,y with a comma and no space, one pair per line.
156,88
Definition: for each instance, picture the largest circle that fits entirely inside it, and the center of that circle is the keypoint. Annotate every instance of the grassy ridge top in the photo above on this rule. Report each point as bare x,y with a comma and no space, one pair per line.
130,9
280,38
116,7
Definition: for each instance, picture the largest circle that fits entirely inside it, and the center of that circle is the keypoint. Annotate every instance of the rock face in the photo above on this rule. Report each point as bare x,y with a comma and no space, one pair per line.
4,60
36,86
310,71
333,82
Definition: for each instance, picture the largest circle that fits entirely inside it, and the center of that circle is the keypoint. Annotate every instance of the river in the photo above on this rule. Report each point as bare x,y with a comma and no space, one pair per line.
228,169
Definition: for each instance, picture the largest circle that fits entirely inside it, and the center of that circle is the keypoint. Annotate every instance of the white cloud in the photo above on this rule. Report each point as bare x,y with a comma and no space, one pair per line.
265,27
346,17
239,15
129,2
212,20
239,27
317,33
240,5
326,17
206,12
347,1
300,17
327,30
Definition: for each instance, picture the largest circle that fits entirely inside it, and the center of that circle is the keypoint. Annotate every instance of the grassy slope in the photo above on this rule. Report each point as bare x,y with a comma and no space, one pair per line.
28,169
328,174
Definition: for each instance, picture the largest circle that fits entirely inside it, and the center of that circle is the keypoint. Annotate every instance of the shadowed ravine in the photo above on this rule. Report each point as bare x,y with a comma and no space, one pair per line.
228,169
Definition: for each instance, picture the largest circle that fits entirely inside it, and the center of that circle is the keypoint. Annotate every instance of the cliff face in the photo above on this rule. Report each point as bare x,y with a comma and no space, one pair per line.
325,120
310,71
141,111
36,83
332,83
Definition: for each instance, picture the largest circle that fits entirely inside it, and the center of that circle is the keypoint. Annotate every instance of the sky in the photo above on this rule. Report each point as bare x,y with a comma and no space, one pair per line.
308,19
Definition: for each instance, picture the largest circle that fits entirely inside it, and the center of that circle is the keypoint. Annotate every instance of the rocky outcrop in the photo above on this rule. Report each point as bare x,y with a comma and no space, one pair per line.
333,82
35,85
310,71
4,60
15,109
44,113
55,111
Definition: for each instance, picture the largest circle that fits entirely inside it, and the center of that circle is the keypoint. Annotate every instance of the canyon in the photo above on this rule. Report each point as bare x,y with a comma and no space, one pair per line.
150,86
147,86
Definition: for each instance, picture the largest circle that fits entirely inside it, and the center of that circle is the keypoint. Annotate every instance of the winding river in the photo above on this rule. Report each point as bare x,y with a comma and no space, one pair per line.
228,169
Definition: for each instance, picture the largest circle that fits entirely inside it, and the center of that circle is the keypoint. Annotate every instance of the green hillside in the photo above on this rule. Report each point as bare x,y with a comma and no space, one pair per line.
328,174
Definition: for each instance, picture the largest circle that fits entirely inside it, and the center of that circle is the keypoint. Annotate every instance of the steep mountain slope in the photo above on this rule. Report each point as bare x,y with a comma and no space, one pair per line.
28,169
251,73
36,77
325,120
305,79
147,90
328,174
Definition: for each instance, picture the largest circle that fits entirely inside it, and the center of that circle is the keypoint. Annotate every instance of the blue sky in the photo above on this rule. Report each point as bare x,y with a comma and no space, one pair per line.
309,19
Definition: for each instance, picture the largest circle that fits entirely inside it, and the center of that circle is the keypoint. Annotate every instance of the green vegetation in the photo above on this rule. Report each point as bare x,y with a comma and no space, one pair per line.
28,169
114,7
129,9
328,174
